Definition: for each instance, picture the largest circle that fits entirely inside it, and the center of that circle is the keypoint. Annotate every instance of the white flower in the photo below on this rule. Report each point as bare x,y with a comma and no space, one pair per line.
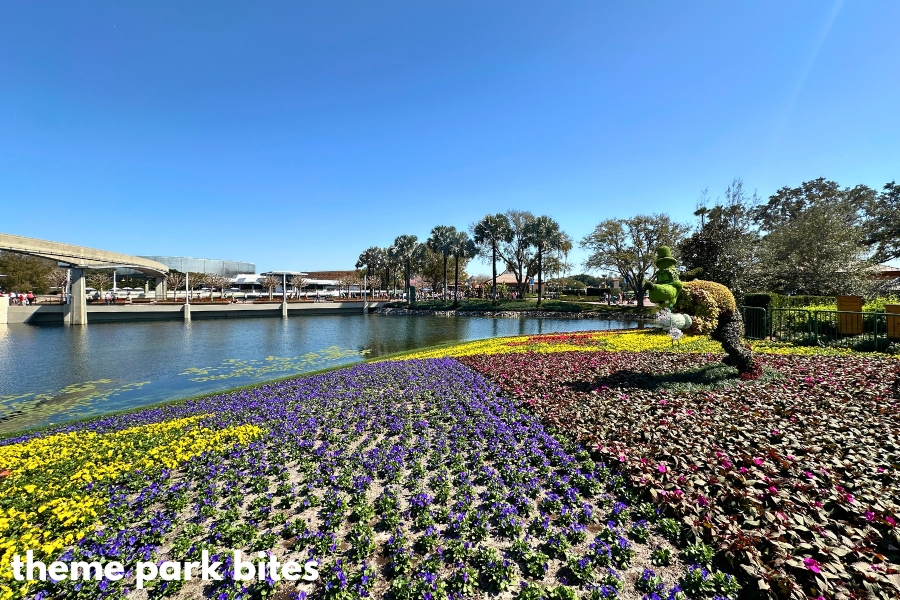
675,334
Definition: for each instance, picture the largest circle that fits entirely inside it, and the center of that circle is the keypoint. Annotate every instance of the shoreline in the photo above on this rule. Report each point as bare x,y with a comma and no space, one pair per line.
517,314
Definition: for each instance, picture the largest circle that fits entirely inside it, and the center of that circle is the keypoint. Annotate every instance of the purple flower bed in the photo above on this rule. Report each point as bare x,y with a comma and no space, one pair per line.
410,480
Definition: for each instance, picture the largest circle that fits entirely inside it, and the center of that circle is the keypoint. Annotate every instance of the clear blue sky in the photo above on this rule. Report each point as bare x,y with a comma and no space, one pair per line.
295,135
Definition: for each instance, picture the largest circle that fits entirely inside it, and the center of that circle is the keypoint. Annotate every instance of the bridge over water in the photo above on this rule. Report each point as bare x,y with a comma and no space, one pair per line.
77,259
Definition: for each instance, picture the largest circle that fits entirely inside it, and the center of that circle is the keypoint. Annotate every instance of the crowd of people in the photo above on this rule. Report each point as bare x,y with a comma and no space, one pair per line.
20,299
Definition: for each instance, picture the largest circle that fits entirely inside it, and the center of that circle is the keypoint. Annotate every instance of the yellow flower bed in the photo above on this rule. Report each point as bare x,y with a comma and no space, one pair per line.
44,504
632,340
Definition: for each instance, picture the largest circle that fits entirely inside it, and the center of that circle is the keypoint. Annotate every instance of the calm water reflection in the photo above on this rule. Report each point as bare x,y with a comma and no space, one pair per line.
52,374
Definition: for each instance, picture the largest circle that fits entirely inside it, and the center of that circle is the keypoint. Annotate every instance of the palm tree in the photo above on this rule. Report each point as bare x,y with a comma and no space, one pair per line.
461,247
441,241
406,249
490,232
393,263
373,259
544,234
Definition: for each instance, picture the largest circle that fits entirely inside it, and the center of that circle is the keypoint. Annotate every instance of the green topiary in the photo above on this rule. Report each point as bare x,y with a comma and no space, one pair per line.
712,308
667,287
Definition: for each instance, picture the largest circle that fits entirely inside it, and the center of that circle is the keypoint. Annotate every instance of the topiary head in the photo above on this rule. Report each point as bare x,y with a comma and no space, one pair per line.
664,258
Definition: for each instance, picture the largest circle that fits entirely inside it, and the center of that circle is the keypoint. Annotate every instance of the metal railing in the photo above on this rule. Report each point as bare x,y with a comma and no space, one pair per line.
862,331
755,322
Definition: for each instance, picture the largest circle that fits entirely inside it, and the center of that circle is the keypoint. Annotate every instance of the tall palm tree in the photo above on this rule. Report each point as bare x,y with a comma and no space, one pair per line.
406,247
393,263
441,241
490,232
544,234
461,247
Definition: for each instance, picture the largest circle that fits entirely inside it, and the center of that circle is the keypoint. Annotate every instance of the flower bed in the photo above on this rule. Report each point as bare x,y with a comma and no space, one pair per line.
626,340
410,480
794,478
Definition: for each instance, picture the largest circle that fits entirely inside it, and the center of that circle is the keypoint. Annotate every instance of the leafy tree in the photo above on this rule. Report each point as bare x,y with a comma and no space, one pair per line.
441,241
518,253
298,282
490,232
788,204
883,224
25,273
99,280
431,268
588,280
724,249
814,239
462,248
628,246
270,282
374,259
175,280
58,278
545,235
214,280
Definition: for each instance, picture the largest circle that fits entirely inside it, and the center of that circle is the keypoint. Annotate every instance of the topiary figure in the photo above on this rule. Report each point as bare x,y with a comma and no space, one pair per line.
713,311
665,291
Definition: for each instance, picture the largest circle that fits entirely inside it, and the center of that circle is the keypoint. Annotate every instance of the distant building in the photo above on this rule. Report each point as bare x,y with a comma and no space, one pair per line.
213,266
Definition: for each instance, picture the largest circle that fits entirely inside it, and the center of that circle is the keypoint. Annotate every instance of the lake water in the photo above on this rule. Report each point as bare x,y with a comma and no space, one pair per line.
53,374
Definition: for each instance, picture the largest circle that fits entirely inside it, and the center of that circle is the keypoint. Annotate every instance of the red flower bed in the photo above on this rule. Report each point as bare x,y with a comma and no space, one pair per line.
793,477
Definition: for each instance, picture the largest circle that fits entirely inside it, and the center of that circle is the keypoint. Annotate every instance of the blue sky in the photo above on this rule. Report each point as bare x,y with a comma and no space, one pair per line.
295,135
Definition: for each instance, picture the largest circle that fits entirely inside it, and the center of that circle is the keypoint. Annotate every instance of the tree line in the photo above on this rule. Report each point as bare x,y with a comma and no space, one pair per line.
815,239
522,243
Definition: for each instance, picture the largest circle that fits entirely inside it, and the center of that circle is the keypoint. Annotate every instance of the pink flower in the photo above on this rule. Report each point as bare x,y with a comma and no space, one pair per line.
742,470
773,489
809,474
890,521
702,501
758,461
869,515
781,516
881,469
790,457
662,401
726,464
661,468
818,504
812,564
848,498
